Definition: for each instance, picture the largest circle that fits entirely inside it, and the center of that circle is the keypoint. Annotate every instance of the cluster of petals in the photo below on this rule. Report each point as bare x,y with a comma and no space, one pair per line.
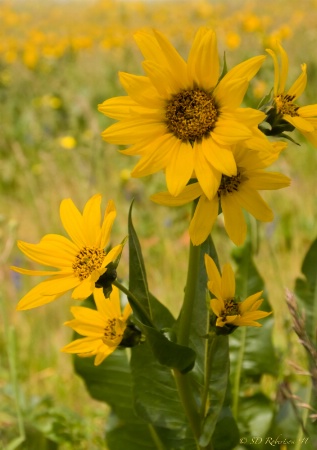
87,234
303,118
243,196
224,289
142,113
102,328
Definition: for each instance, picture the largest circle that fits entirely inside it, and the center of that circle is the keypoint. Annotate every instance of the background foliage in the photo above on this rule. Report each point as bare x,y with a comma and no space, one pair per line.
58,60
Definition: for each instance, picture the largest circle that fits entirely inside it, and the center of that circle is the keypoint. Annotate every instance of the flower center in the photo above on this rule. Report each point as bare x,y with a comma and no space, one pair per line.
231,184
231,308
87,260
284,105
191,114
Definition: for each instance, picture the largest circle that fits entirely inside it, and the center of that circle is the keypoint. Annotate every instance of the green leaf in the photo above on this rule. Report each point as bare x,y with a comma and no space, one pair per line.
226,435
306,290
167,352
218,385
131,437
137,275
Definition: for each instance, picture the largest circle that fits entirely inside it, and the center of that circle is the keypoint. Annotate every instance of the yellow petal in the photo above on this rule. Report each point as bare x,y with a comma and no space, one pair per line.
300,84
276,89
205,215
228,283
84,289
188,194
108,307
180,167
219,157
247,69
235,224
118,107
213,276
229,94
91,219
284,67
209,178
299,122
308,111
73,222
82,345
203,60
217,306
141,90
251,200
228,132
161,79
247,304
129,132
267,180
100,357
106,227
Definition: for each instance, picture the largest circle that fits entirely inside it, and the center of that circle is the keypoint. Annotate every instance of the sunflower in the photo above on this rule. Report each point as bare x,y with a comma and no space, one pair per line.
234,194
80,261
229,311
103,328
182,117
303,118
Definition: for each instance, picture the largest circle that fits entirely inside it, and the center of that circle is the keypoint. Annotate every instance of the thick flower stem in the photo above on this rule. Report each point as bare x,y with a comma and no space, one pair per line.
236,383
185,394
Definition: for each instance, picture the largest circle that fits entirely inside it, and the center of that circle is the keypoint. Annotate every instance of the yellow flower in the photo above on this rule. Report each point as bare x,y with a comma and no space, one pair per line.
67,142
303,118
234,194
103,328
228,310
179,117
80,261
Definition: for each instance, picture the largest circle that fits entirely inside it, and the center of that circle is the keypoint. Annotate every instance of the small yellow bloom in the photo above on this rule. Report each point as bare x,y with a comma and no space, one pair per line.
103,328
303,118
80,261
228,310
67,142
234,193
179,117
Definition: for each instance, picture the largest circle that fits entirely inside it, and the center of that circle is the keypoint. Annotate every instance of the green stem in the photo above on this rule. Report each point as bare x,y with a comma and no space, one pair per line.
185,394
135,302
190,291
157,441
236,383
209,359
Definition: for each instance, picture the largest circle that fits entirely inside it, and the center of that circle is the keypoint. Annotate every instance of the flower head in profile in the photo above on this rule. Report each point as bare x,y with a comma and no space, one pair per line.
103,328
229,311
181,117
80,261
235,193
303,118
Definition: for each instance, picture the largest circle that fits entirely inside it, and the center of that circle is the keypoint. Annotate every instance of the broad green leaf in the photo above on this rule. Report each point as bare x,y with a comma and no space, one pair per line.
130,437
306,290
226,435
218,385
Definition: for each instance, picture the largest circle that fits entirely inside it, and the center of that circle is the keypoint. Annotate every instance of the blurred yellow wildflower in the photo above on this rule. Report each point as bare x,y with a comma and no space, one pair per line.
80,261
67,142
229,311
234,194
103,328
303,118
233,40
180,117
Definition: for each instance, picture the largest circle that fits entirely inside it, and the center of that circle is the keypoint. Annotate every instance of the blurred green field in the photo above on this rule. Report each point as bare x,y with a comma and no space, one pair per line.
58,60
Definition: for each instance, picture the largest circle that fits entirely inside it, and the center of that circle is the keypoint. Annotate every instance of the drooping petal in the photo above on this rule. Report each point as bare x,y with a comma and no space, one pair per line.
251,200
100,357
205,215
276,89
213,276
180,167
209,178
228,283
106,227
235,223
284,67
220,157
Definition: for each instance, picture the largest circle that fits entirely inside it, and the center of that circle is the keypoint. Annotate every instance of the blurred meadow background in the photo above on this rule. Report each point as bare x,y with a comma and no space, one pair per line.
58,61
